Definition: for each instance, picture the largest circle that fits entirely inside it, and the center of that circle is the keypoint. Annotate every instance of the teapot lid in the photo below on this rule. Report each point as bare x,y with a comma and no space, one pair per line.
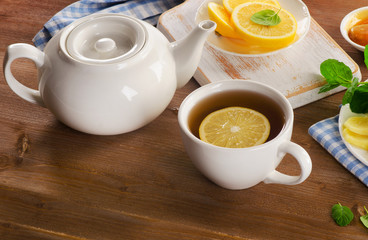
105,38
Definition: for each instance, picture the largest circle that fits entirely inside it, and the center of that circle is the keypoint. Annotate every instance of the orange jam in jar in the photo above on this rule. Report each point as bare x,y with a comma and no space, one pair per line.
359,32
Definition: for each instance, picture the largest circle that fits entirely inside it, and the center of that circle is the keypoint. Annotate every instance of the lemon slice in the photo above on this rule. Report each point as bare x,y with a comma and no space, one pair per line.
218,14
235,127
231,4
278,36
358,125
355,139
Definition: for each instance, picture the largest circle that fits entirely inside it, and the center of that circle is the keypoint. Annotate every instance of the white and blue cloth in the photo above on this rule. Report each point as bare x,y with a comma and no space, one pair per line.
326,132
147,10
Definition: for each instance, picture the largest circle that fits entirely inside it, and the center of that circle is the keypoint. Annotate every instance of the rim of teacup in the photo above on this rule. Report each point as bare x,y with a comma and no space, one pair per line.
188,102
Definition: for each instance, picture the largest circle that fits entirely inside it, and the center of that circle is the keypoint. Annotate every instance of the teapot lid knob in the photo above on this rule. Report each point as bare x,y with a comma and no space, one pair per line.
104,38
104,45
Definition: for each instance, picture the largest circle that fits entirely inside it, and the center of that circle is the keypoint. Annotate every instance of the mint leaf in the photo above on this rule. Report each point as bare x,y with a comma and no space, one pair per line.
359,101
364,219
363,88
327,87
336,72
266,17
342,214
350,91
348,96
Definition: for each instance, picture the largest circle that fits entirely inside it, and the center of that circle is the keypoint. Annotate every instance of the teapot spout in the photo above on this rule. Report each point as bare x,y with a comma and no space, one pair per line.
187,51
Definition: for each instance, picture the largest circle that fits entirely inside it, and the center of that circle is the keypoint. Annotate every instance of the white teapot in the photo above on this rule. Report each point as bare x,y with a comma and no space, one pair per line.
108,74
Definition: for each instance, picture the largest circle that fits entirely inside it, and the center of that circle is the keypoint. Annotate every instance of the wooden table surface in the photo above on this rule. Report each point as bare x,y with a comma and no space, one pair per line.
57,183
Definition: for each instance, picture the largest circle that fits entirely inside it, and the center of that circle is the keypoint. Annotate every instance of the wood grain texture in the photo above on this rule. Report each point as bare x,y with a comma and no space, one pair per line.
57,183
293,71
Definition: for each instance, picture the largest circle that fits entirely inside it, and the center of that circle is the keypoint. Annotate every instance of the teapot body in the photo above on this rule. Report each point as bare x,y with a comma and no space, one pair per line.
113,98
108,74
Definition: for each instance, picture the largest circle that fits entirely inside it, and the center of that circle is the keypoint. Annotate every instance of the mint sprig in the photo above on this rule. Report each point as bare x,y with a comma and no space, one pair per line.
338,74
342,214
266,17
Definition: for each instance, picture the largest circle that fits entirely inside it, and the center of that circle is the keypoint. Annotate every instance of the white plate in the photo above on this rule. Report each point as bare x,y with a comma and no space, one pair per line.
359,153
241,48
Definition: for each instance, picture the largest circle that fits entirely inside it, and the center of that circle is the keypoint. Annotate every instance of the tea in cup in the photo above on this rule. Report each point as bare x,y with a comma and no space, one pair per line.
244,167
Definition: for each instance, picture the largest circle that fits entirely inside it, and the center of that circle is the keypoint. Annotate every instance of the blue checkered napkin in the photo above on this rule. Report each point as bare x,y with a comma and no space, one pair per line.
326,132
147,10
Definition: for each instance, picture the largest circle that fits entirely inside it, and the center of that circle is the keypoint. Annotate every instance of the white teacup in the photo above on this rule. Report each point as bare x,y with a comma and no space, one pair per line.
241,168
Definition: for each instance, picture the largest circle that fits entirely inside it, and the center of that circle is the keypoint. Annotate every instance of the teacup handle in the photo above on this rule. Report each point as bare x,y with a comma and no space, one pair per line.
303,159
22,50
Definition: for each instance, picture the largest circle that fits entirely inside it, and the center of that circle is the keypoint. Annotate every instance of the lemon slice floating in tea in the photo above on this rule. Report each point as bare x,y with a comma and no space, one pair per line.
278,36
235,127
231,4
221,17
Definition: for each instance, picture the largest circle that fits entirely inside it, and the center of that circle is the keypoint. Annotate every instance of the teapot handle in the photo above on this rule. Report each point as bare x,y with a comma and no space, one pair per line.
22,50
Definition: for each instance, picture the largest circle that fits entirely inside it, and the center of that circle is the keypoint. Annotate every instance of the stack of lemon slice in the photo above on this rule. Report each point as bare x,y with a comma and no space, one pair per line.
355,131
233,20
